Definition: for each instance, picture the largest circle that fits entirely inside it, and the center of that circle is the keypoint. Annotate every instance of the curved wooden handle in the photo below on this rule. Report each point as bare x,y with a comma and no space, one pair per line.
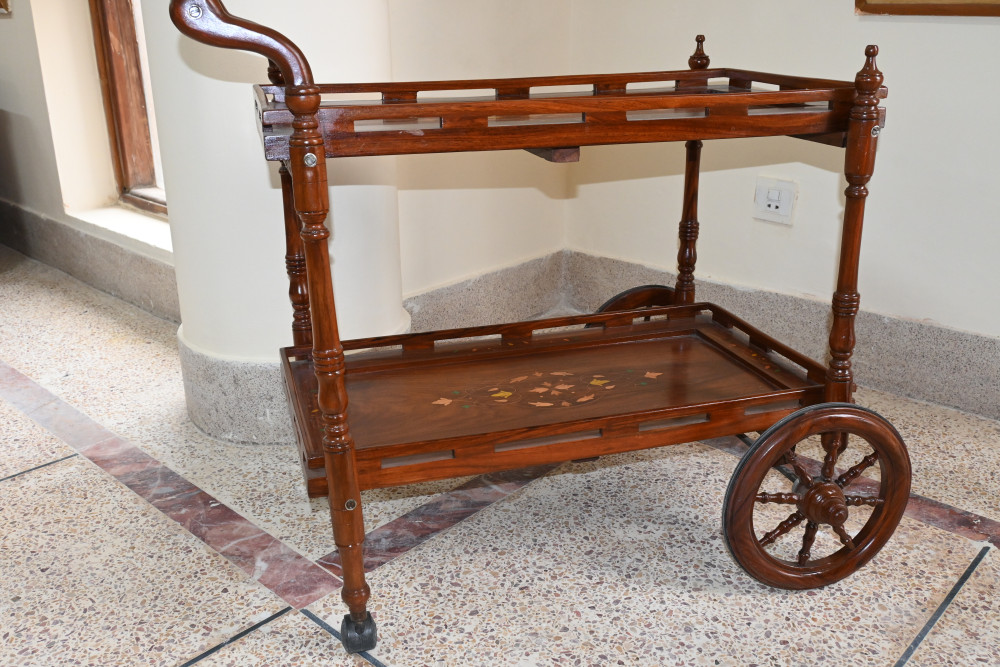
208,21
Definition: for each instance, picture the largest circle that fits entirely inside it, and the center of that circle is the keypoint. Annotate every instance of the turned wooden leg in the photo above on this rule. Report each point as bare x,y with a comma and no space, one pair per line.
295,266
687,254
307,168
859,163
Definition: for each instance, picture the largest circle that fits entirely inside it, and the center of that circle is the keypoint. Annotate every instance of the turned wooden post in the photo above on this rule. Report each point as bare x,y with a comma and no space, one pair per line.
295,259
307,166
295,265
687,253
306,195
859,163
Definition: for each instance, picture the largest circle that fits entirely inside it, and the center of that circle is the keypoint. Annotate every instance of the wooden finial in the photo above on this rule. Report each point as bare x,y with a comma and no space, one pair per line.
869,79
699,60
867,84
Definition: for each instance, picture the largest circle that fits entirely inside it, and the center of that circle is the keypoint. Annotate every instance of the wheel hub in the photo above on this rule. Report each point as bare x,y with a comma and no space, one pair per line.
824,502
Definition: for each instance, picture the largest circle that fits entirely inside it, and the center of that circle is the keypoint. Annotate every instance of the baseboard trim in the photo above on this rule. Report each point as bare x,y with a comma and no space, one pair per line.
142,281
244,402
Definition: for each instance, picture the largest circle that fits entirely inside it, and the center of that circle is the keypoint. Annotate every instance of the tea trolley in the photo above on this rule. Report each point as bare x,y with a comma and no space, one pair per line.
818,492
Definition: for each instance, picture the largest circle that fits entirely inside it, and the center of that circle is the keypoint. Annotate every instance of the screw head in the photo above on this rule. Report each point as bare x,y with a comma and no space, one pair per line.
877,130
310,159
350,504
195,11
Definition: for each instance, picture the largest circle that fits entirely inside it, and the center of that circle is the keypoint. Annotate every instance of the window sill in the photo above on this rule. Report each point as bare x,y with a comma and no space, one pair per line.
133,230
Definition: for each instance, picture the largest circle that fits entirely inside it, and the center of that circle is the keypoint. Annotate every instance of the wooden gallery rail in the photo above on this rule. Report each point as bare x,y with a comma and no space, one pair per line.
817,494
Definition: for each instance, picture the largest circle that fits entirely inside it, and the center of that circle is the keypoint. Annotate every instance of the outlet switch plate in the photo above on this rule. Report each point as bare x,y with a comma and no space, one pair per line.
774,200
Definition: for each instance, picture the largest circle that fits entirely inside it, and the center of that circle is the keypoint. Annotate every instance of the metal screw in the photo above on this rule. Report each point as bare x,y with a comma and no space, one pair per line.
877,130
350,504
310,159
194,11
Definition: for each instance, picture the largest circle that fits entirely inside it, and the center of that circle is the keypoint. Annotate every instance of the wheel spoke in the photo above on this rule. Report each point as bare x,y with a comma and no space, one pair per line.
793,460
834,444
845,539
780,498
856,471
793,520
807,542
863,500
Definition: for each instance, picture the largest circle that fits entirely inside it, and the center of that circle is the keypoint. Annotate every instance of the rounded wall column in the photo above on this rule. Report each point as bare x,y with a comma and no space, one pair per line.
226,217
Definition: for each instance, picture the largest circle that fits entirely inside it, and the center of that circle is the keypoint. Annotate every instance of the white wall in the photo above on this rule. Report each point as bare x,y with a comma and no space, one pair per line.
462,215
931,239
27,152
225,200
76,106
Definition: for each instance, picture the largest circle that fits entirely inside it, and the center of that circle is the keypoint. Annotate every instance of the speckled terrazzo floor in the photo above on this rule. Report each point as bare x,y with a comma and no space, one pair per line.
127,537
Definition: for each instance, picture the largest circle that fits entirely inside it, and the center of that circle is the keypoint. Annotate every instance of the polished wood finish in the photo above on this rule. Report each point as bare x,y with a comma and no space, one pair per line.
295,265
652,368
859,164
818,500
491,398
687,105
643,296
687,253
208,21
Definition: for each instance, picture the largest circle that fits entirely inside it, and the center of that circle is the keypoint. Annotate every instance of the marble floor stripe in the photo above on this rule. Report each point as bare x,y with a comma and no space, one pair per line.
416,527
294,578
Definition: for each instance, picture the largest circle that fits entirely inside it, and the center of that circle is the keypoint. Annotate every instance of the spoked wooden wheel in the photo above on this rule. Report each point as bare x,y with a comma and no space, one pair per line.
817,496
645,296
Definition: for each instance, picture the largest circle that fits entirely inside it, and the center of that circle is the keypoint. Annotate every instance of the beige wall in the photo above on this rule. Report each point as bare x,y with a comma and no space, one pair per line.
27,156
931,238
463,215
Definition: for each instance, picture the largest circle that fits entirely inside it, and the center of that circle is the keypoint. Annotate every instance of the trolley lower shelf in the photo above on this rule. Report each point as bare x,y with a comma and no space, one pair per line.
469,401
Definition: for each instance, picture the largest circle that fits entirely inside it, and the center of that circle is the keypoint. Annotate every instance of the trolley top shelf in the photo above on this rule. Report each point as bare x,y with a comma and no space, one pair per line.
553,116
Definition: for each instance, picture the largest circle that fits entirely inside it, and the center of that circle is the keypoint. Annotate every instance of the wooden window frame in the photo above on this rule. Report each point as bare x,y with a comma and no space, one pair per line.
120,68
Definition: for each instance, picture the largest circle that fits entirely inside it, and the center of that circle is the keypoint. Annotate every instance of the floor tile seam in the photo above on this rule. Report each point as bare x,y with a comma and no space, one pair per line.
238,636
942,608
39,467
91,452
328,628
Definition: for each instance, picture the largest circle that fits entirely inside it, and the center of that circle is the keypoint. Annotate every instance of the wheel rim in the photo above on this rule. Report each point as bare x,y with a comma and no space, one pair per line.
835,510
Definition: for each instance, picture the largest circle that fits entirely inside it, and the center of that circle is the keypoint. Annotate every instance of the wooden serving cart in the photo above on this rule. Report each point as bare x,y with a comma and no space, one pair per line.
815,496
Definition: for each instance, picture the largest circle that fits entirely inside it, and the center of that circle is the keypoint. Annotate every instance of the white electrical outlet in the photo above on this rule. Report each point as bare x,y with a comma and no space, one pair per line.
774,200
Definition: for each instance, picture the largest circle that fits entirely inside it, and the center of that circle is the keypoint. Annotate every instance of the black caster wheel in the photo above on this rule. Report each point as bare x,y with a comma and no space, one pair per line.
358,637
